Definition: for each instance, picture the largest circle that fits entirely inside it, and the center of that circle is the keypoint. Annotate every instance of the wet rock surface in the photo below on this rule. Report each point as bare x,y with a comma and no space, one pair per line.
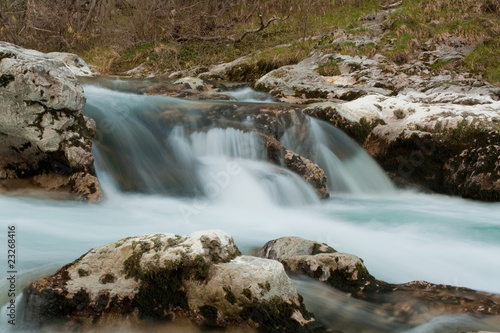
309,171
199,280
320,261
45,140
202,281
398,306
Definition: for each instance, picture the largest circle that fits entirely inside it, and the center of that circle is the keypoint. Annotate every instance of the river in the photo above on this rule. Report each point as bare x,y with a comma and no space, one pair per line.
173,179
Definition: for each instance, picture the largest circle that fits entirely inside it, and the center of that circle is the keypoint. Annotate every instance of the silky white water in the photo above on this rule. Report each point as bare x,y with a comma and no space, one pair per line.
181,179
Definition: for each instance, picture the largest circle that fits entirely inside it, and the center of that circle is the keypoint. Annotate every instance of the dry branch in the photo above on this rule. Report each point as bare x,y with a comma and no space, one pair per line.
392,5
247,17
233,39
44,30
89,16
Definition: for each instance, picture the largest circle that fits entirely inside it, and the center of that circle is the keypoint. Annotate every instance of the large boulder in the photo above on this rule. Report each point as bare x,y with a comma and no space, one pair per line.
45,141
446,152
200,280
345,278
475,172
320,261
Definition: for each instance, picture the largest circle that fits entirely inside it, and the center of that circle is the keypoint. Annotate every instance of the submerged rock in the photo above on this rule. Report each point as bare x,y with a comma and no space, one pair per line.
200,279
45,139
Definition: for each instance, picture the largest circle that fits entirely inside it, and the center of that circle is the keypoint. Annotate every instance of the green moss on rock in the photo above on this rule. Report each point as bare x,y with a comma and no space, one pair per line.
108,278
275,316
229,295
160,293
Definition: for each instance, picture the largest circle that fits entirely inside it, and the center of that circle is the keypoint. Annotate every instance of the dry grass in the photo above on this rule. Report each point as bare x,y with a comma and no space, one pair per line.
475,22
470,20
124,25
117,35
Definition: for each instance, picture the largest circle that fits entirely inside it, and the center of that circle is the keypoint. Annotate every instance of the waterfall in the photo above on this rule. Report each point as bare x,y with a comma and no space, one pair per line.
347,166
138,152
156,144
249,95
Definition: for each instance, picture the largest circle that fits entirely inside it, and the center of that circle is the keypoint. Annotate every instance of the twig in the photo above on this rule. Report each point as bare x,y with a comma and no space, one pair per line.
89,16
250,14
45,30
392,5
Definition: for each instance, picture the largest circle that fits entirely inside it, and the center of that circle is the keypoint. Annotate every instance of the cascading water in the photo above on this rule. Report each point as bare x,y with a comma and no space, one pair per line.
143,142
146,148
347,166
249,95
169,165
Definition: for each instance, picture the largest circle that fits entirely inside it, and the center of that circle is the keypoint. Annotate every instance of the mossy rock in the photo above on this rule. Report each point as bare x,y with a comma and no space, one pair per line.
197,280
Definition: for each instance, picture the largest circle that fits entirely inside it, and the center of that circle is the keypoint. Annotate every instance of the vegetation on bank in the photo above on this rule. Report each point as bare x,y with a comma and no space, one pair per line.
118,35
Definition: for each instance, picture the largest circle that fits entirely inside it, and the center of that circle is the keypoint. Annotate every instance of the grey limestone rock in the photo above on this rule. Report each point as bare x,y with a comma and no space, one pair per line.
43,132
199,280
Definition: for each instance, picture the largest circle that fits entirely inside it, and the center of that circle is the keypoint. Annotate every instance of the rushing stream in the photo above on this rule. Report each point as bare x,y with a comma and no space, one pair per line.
164,169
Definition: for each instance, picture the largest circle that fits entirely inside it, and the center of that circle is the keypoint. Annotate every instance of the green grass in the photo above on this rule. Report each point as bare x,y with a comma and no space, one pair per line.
469,21
486,59
440,64
330,68
132,53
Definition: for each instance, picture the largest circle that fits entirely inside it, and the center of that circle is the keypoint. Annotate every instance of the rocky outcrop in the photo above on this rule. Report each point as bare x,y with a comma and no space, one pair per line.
45,140
296,83
475,172
186,88
333,71
200,280
445,152
243,69
428,126
299,256
402,305
309,171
